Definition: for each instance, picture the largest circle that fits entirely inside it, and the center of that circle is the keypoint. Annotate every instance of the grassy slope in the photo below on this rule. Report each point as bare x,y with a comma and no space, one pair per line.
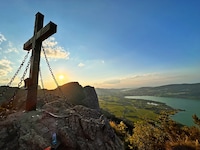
113,101
132,110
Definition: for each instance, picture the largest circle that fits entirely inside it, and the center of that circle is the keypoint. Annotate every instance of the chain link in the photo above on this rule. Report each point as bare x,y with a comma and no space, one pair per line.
52,73
42,83
10,102
41,78
24,74
12,79
19,84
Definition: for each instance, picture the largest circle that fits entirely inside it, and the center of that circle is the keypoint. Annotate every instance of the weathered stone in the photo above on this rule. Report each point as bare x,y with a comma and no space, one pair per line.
77,127
74,93
78,95
91,99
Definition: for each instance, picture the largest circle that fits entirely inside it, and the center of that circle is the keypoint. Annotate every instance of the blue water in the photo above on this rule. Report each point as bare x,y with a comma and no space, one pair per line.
190,106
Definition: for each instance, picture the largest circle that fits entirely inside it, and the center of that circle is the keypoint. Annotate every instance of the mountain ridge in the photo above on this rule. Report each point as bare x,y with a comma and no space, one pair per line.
185,90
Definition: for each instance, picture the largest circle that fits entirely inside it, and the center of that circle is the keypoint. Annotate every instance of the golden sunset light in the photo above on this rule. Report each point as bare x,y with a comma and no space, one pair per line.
61,77
105,74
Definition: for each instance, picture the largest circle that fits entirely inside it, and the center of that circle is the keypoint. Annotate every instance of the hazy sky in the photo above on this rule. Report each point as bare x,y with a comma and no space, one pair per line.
106,43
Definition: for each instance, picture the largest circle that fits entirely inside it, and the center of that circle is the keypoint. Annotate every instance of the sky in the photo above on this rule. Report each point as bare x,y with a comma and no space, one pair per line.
105,43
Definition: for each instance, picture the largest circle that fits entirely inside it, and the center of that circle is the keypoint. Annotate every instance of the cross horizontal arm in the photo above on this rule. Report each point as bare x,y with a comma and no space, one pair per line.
41,35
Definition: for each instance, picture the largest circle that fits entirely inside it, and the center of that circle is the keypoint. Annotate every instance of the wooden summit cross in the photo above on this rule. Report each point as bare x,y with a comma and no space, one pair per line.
40,34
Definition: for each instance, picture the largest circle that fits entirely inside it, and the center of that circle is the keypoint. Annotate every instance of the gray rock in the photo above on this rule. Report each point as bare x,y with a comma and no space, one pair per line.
91,99
78,95
77,127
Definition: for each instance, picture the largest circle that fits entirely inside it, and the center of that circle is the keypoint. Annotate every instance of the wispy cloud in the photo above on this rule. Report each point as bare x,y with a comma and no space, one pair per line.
91,64
142,76
137,80
81,65
112,81
5,67
102,61
53,50
11,48
147,79
8,47
2,38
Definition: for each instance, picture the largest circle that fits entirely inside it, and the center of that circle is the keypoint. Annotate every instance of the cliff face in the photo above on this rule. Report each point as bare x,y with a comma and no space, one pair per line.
91,99
75,126
78,95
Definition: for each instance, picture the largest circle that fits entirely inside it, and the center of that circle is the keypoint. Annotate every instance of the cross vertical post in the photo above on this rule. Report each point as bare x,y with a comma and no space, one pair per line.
35,43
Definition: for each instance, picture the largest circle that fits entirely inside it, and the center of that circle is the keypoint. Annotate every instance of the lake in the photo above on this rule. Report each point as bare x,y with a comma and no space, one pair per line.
190,106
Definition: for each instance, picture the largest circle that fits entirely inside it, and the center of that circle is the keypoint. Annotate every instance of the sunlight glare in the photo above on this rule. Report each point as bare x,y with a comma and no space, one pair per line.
61,77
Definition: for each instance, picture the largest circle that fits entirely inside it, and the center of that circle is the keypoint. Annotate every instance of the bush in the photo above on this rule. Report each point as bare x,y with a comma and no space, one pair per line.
163,134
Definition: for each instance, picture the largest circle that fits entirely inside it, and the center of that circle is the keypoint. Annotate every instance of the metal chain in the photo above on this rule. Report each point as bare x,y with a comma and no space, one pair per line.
12,79
19,84
41,78
24,74
52,73
42,83
10,102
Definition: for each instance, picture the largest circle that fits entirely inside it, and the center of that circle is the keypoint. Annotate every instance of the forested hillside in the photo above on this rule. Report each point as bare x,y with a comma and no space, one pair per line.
143,124
173,90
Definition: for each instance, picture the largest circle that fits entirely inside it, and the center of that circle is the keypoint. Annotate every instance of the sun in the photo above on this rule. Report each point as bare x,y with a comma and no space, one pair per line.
61,77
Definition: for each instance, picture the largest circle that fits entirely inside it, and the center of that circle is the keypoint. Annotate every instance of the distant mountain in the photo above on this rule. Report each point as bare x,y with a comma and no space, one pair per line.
108,92
173,90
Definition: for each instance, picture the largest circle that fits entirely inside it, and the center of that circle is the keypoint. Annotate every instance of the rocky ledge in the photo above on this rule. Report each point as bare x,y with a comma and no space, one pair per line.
60,126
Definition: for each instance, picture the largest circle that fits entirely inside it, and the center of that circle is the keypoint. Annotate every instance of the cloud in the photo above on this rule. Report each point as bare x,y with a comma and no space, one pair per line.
132,78
81,65
151,79
8,46
112,81
102,61
130,81
142,76
2,38
5,67
53,50
11,48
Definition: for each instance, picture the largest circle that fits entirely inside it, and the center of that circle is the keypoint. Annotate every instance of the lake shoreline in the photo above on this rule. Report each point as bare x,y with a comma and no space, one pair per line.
158,104
185,107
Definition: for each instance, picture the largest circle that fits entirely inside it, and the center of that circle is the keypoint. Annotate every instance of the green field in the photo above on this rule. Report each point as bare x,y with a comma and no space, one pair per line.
132,110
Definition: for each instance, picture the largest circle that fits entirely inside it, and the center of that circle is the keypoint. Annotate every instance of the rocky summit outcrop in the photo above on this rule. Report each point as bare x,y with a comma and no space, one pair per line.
76,127
59,124
73,92
78,95
91,99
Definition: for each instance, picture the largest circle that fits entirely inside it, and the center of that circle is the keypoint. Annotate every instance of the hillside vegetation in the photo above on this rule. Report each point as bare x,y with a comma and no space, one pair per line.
140,124
143,124
190,91
133,110
163,134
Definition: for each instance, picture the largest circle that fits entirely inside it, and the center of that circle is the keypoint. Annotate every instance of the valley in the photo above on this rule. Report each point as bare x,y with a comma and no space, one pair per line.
180,101
133,110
